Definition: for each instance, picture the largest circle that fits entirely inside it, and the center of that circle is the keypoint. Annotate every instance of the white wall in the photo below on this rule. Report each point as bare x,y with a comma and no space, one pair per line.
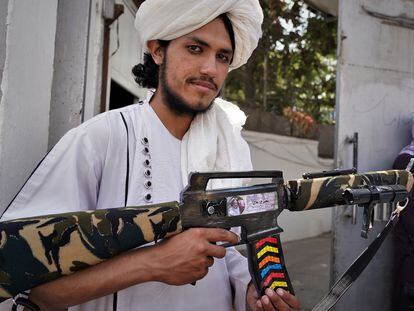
94,62
26,84
375,92
70,67
293,156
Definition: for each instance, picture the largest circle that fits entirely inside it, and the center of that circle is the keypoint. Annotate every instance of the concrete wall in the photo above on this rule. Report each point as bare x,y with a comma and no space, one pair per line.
94,62
293,156
50,80
375,94
268,122
76,91
3,32
69,79
26,82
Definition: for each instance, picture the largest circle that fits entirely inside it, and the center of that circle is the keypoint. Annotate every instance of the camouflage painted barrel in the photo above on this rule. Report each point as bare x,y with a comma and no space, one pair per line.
327,191
40,249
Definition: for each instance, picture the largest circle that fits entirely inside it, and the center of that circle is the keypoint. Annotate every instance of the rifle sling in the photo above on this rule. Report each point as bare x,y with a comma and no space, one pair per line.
24,301
356,268
115,295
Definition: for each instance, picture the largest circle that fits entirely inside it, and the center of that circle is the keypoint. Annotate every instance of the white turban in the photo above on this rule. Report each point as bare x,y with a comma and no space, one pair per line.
170,19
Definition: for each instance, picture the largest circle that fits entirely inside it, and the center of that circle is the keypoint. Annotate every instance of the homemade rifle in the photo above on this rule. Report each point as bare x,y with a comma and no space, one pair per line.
36,250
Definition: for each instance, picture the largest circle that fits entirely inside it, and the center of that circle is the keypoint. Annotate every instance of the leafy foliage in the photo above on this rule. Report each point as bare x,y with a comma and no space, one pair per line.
293,66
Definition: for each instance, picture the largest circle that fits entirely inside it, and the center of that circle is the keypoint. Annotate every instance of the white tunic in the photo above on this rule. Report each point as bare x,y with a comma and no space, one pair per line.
87,169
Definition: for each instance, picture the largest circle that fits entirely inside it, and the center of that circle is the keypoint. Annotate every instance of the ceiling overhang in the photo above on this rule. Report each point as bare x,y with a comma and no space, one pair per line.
326,6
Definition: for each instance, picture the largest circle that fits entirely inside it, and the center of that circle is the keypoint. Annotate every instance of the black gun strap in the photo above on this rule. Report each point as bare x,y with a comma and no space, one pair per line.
115,295
24,302
346,280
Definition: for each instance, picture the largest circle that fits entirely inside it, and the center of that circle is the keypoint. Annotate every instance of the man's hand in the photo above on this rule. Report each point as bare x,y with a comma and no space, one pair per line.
186,257
181,259
280,300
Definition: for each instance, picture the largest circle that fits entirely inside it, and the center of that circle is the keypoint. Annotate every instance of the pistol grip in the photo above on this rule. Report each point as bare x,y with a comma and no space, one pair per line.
267,265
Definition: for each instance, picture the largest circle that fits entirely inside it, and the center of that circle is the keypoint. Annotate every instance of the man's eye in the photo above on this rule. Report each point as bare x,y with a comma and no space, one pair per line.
194,49
224,58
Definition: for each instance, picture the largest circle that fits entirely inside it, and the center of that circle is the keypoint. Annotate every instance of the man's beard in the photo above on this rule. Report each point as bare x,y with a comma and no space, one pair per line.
175,102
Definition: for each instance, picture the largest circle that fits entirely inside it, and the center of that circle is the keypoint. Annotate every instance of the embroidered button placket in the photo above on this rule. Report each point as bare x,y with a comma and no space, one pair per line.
147,171
148,185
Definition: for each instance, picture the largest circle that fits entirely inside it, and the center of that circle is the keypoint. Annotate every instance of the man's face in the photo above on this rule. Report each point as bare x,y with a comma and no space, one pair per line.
194,68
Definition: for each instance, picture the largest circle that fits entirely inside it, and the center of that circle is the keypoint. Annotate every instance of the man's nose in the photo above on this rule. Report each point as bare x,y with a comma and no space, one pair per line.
209,66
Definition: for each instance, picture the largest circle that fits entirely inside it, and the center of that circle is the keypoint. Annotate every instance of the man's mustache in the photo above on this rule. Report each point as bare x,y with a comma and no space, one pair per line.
204,78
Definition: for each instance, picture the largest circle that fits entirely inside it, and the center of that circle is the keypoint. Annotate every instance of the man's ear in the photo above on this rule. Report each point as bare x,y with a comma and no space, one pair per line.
157,51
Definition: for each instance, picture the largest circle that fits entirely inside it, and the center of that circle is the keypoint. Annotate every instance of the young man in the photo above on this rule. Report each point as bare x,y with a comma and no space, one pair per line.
143,154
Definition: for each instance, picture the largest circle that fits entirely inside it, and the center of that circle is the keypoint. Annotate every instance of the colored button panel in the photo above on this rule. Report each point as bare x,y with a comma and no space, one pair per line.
269,268
267,260
266,240
266,250
278,284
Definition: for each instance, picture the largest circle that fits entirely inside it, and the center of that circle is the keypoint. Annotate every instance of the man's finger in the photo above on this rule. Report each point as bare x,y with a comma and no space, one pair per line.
282,300
210,261
268,304
215,251
221,235
259,306
290,299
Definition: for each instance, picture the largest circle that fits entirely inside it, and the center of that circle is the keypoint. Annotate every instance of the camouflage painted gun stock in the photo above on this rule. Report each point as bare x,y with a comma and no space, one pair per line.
327,191
40,249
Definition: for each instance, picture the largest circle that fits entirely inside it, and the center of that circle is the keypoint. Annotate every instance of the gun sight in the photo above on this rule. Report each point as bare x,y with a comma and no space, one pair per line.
332,173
